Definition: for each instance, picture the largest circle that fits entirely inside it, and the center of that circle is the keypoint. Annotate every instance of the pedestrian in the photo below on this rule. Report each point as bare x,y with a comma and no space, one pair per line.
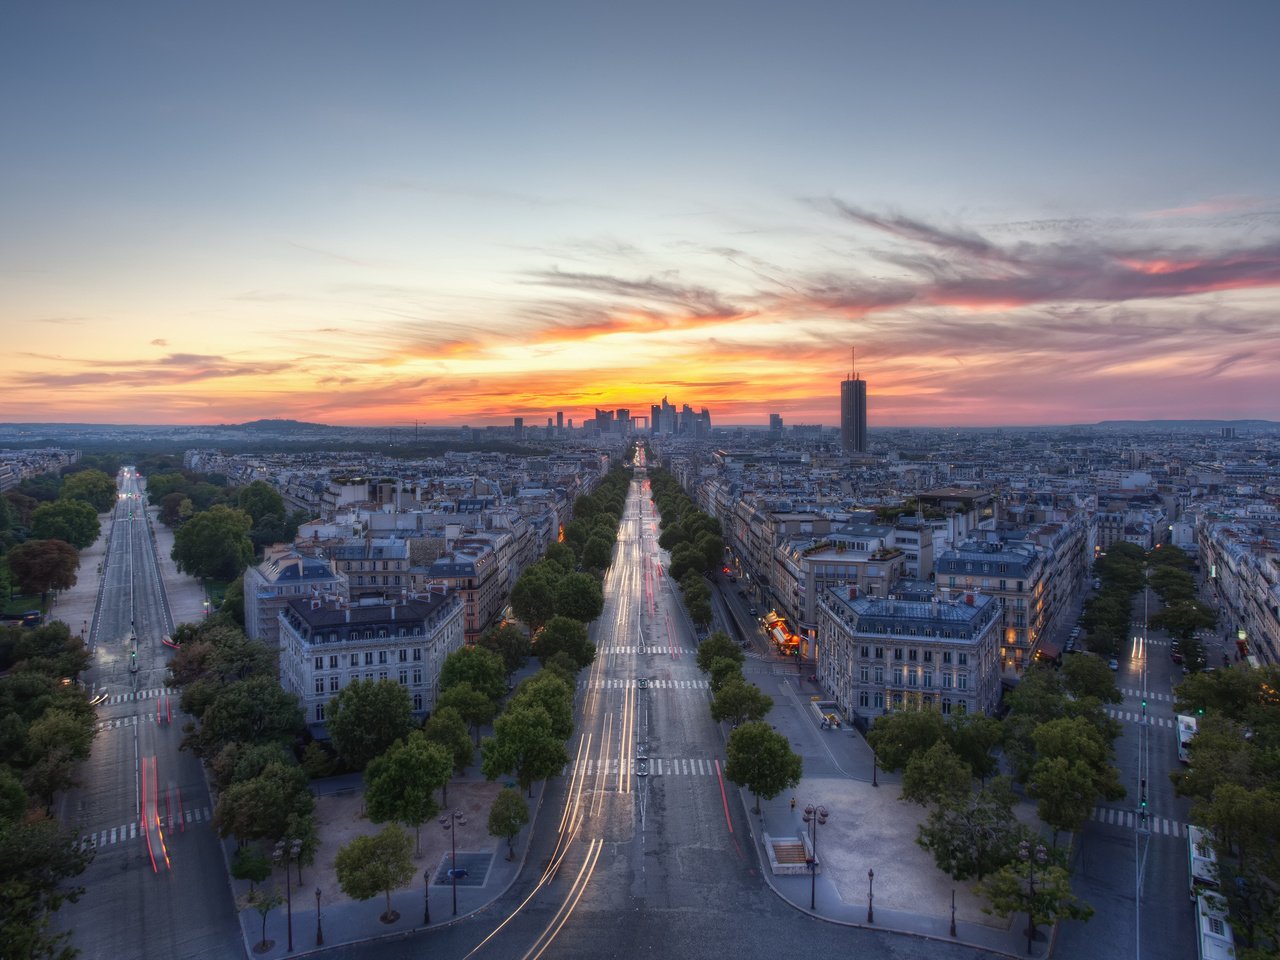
793,803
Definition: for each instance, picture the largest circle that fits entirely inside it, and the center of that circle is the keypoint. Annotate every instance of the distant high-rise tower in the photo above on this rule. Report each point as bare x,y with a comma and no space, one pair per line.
559,419
775,423
853,412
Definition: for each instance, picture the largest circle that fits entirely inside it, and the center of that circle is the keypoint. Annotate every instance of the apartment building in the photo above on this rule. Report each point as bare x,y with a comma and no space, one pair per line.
1016,574
277,580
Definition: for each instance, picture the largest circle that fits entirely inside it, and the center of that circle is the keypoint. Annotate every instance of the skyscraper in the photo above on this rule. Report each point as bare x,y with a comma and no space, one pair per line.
853,412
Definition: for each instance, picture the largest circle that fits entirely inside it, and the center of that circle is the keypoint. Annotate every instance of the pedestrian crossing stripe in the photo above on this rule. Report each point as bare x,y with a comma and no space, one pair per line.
1127,818
1133,692
658,766
126,721
613,684
1132,716
655,647
142,695
132,831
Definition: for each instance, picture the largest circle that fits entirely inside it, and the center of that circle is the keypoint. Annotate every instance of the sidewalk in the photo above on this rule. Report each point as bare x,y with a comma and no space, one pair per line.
868,828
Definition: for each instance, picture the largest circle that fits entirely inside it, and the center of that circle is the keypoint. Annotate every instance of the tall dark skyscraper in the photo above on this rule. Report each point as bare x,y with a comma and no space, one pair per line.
853,412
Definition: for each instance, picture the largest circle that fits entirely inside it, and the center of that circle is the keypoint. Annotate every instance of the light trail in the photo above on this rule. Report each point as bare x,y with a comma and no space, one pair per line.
570,904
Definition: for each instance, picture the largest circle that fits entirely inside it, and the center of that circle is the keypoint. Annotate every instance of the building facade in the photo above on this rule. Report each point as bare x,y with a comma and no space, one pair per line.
1016,574
853,415
279,579
326,645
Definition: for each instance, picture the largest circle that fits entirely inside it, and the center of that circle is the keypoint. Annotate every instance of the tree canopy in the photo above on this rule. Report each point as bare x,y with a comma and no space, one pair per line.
401,783
381,863
214,543
483,669
366,717
91,486
43,565
761,760
74,521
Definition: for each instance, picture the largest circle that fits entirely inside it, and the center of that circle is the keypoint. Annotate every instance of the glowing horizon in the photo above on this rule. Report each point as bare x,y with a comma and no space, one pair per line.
457,221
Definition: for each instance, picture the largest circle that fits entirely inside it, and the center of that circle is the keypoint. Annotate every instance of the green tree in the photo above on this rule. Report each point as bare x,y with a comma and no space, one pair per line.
263,901
400,784
1075,739
533,596
762,761
723,670
716,647
366,717
39,857
1090,677
260,809
368,866
250,863
254,710
562,555
62,728
738,702
260,500
684,558
73,521
39,566
562,634
897,736
1067,792
1009,891
549,690
510,643
597,553
507,816
93,487
469,703
578,597
214,543
974,737
447,728
974,837
1182,618
937,775
524,743
481,668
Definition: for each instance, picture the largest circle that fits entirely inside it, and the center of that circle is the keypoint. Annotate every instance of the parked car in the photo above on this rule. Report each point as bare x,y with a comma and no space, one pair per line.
1113,663
1177,657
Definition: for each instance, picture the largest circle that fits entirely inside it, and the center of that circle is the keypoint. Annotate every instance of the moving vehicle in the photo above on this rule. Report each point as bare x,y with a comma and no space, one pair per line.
1187,728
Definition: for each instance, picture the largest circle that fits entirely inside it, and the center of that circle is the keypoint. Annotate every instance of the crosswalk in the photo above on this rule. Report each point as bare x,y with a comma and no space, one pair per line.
142,695
1160,697
133,830
649,648
1127,818
658,767
119,722
614,684
1135,716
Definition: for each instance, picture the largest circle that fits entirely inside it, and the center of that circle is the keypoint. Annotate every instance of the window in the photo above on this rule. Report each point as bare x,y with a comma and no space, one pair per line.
897,653
417,676
928,678
333,661
897,701
913,653
319,713
911,678
404,656
319,663
962,681
334,683
946,704
417,701
879,674
1004,584
404,678
864,698
897,676
417,654
879,653
946,656
382,656
355,659
946,681
319,684
863,674
951,581
964,659
382,674
864,651
962,707
368,677
368,658
928,656
879,701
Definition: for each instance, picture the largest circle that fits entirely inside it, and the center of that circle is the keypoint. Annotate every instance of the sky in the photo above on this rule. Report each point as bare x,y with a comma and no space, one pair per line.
458,213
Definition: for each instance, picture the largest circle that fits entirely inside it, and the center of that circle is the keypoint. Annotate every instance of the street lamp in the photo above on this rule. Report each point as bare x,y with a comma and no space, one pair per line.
426,897
319,929
814,816
871,896
874,781
453,854
1032,857
286,851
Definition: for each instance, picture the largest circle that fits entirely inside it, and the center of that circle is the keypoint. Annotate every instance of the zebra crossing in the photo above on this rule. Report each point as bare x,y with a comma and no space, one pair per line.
142,695
656,647
615,684
133,830
119,722
1127,818
658,767
1135,716
1135,692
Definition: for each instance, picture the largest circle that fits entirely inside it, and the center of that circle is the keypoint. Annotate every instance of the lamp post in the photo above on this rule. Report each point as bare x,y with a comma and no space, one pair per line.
1032,857
426,897
874,781
286,851
814,816
871,896
319,929
453,854
953,911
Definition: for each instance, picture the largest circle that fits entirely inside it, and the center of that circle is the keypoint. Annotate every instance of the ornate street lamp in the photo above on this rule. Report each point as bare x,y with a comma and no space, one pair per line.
871,896
1032,857
426,897
814,816
286,851
319,929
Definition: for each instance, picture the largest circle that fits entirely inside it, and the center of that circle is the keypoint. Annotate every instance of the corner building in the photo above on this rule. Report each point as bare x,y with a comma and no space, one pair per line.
877,655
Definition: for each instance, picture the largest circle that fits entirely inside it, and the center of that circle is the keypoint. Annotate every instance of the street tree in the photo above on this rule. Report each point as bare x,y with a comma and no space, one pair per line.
1043,891
937,775
723,670
507,816
483,669
366,717
761,760
470,704
1067,792
1090,677
260,500
263,901
254,710
578,597
715,647
39,566
700,612
549,690
524,743
214,543
92,486
61,728
259,809
684,558
250,863
368,866
974,738
509,642
562,634
533,596
40,859
1182,618
562,555
400,784
973,837
738,701
897,736
447,728
73,521
1076,739
597,552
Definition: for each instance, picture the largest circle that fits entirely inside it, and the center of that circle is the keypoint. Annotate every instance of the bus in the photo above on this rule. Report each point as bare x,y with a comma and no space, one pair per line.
1202,862
1186,730
1214,940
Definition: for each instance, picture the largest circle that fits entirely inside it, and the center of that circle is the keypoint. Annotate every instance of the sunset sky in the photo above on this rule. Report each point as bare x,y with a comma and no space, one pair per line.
376,213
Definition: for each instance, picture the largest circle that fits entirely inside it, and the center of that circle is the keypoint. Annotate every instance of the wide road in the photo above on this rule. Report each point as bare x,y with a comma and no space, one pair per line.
643,849
157,886
1135,875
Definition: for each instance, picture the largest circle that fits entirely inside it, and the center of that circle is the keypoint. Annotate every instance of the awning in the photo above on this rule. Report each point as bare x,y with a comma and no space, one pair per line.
779,636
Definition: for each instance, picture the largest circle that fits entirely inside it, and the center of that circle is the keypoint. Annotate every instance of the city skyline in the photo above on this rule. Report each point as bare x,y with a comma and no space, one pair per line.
400,214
